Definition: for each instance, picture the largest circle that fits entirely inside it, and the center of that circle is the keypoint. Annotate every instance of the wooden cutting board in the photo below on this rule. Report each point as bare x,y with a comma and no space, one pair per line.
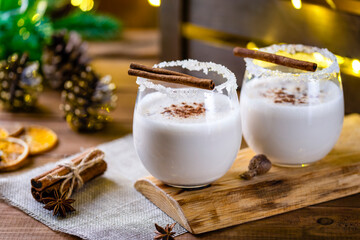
230,200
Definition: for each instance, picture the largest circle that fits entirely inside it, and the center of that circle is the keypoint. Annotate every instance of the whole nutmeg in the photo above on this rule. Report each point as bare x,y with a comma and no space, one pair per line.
258,165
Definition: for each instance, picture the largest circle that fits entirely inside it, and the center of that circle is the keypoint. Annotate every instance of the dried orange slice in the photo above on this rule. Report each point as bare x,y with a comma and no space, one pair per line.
3,133
11,131
39,139
15,130
13,153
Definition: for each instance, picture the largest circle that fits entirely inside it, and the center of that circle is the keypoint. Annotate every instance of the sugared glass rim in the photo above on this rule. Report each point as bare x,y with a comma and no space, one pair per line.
192,65
292,49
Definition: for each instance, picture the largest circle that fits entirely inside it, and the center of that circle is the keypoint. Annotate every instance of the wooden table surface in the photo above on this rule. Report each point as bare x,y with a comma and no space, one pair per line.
338,219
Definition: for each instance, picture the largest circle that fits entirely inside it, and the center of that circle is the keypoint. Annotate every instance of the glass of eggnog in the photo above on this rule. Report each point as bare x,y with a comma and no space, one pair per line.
188,137
292,116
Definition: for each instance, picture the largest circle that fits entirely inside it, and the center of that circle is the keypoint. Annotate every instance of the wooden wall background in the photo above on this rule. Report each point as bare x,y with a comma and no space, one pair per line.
132,13
207,30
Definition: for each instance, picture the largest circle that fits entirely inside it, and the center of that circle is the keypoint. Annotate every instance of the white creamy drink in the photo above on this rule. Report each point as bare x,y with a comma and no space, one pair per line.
187,140
292,122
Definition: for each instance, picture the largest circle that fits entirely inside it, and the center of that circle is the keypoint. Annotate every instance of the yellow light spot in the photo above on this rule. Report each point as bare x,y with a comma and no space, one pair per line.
76,2
36,17
356,66
22,30
26,35
20,23
339,79
155,3
296,3
340,59
319,57
86,5
251,45
28,98
331,4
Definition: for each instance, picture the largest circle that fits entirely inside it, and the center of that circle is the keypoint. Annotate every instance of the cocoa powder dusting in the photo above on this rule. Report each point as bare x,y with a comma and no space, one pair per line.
281,96
185,110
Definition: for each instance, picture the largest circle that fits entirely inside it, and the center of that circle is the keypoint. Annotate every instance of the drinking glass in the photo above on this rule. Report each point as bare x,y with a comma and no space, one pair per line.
188,137
292,116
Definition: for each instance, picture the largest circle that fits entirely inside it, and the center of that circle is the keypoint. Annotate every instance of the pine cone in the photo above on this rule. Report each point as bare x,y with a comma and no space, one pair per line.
20,83
86,99
61,58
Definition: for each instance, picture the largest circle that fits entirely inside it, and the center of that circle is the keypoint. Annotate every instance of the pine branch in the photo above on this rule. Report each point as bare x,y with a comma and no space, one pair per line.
90,25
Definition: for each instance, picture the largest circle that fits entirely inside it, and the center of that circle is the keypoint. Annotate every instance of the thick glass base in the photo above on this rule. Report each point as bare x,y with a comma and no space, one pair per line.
190,187
300,165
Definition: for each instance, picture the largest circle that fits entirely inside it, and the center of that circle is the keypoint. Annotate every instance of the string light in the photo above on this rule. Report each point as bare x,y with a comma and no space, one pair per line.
84,5
76,2
155,3
340,59
36,17
318,56
331,4
21,22
296,3
356,66
251,45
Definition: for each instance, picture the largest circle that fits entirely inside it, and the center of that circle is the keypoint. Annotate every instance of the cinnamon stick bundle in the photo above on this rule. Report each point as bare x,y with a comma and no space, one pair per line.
169,76
274,58
42,185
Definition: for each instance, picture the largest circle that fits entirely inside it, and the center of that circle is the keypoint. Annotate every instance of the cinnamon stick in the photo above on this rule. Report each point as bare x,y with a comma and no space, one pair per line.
170,76
277,59
156,70
86,175
42,181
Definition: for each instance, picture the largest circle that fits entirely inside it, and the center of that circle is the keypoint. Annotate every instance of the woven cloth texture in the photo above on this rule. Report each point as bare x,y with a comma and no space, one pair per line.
107,207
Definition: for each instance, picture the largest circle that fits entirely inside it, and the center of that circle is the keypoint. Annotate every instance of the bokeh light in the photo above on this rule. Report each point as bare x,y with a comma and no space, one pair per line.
155,3
84,5
356,66
296,3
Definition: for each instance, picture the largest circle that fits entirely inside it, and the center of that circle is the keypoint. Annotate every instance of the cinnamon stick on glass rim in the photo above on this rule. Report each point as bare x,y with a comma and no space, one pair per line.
274,58
169,76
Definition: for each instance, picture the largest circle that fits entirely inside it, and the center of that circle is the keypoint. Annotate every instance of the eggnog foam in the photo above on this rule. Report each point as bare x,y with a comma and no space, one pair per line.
160,108
292,92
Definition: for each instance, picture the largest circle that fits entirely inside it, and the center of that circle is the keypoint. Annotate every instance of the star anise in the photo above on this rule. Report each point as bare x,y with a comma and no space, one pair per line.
165,234
59,203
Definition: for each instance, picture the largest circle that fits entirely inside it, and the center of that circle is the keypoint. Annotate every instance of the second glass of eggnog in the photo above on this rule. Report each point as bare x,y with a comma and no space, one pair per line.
292,116
188,137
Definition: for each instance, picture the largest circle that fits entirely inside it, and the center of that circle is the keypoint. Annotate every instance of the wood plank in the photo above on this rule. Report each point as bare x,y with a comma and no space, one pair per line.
307,223
231,200
274,21
15,225
134,44
170,25
351,87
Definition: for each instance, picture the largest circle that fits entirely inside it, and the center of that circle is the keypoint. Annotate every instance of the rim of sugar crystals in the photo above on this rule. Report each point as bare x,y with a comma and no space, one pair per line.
192,65
292,49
